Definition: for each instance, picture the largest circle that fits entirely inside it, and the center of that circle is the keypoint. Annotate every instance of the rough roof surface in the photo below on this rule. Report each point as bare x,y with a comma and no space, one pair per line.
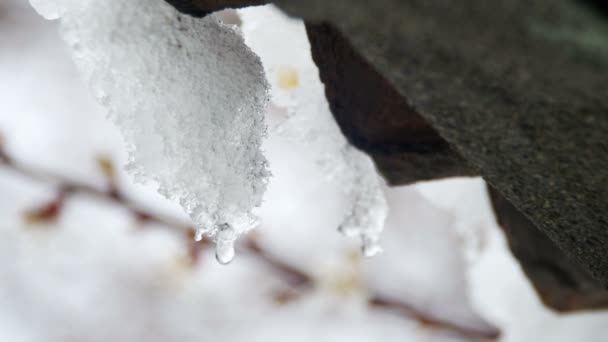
517,87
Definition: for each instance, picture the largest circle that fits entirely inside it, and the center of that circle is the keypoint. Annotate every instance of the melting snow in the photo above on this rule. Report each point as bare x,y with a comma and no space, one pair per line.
309,121
188,96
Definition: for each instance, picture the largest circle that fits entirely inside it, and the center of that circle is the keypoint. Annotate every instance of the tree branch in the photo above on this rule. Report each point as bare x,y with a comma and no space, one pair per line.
298,281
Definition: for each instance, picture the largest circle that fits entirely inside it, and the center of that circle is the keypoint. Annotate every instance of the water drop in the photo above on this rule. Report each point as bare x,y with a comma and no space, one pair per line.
224,252
224,244
198,236
370,246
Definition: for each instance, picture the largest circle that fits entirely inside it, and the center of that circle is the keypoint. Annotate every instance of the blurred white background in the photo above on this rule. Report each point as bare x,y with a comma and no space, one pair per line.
85,255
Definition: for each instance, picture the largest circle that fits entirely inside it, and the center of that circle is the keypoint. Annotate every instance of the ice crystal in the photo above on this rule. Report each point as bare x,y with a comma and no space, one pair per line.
297,88
188,96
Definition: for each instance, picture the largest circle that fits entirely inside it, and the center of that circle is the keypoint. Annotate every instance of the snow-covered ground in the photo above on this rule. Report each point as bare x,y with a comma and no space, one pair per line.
96,273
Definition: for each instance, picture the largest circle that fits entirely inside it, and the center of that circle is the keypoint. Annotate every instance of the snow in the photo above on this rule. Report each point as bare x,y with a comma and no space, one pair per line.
96,268
96,274
210,162
299,94
188,97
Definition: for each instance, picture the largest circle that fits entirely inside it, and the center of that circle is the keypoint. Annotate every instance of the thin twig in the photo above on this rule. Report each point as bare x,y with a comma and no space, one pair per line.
67,187
432,322
292,276
298,281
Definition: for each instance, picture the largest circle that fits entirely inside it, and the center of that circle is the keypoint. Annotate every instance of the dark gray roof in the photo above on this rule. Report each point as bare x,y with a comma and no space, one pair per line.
519,88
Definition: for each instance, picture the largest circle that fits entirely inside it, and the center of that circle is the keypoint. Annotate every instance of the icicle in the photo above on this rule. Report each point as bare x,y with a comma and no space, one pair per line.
224,244
298,88
198,235
188,96
370,246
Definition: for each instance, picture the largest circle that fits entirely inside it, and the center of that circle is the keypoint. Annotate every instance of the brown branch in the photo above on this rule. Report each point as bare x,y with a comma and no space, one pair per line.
49,211
67,187
298,281
429,321
302,282
292,276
